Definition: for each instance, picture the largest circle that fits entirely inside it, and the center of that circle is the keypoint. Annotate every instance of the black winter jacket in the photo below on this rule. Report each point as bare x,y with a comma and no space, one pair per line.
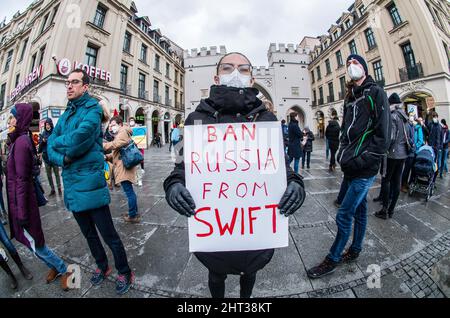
332,133
230,105
295,137
366,132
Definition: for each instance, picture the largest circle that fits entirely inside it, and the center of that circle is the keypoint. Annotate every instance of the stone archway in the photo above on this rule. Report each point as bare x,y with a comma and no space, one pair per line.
263,92
301,116
420,102
140,117
320,118
155,123
167,127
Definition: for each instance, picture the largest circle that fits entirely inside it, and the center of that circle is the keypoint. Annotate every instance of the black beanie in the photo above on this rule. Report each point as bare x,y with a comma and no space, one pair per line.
394,99
361,61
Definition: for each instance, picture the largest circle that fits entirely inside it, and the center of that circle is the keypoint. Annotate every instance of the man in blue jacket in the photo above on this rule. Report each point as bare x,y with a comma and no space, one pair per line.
76,145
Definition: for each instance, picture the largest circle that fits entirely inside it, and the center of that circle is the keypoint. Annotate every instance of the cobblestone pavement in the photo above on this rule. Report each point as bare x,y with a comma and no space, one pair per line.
405,247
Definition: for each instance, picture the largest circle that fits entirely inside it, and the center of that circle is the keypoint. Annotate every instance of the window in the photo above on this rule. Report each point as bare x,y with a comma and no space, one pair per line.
335,35
295,91
167,93
2,95
370,37
348,24
24,48
100,14
314,97
181,100
362,10
320,95
157,59
8,61
330,92
395,15
339,60
141,86
156,91
319,75
143,56
127,42
175,93
378,71
144,27
181,80
168,70
33,61
44,23
91,55
176,77
447,53
342,84
328,66
123,77
55,10
312,77
17,80
408,55
41,55
352,46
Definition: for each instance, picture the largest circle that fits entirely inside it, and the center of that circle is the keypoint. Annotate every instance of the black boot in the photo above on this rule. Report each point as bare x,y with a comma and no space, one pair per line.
8,271
25,272
382,214
247,282
390,213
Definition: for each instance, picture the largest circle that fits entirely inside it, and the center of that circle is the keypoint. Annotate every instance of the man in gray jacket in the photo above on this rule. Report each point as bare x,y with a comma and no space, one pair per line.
400,148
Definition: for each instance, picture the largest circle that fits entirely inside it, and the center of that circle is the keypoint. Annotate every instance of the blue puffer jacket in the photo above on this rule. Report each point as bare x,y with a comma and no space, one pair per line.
78,136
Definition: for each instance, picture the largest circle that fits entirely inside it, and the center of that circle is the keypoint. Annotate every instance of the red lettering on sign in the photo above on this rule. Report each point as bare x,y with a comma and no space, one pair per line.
222,190
251,218
194,162
226,227
231,160
270,159
217,169
252,133
211,229
206,190
274,208
230,131
212,137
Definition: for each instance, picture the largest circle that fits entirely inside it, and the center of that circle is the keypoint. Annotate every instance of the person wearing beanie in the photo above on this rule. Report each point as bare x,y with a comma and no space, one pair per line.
364,142
394,99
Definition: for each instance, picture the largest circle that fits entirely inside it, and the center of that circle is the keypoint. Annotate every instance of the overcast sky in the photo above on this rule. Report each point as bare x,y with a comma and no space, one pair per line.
248,26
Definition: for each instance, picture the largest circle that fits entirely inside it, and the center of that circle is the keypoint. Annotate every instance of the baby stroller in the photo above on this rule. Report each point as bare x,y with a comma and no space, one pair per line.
423,174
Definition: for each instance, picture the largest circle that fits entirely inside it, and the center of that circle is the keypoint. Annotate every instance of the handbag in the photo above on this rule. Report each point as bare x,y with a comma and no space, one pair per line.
130,155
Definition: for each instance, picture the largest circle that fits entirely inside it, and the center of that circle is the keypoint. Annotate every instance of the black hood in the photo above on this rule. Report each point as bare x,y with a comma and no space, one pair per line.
231,101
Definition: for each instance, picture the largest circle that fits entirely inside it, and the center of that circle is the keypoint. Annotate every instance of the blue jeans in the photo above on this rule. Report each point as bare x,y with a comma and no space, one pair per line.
6,241
127,187
354,206
343,190
2,203
444,159
51,259
296,163
327,151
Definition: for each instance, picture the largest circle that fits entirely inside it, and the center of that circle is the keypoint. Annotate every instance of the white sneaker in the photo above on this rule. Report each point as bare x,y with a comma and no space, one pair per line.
3,254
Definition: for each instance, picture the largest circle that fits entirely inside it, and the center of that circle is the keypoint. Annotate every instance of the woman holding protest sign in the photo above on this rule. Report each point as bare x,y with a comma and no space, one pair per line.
232,100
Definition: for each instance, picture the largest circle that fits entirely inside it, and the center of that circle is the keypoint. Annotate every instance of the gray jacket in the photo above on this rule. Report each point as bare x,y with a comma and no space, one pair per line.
400,138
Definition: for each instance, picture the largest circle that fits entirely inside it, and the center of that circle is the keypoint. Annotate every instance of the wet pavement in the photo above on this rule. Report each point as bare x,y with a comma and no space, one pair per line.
405,248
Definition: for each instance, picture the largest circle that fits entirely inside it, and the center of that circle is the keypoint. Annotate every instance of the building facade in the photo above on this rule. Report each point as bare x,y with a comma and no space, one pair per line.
285,82
406,46
134,69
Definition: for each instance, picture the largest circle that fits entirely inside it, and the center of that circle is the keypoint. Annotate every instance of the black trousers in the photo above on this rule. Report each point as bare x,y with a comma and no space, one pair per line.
333,157
216,283
407,171
89,222
390,185
306,157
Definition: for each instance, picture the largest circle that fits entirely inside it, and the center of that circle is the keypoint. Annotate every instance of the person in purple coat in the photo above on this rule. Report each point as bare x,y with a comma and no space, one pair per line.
24,217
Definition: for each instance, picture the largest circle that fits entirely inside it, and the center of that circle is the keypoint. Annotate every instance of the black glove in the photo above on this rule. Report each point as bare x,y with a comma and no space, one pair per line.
180,200
293,199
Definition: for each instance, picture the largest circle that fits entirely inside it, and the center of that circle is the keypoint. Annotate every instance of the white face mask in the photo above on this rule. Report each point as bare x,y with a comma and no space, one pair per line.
411,119
235,79
132,123
355,72
435,120
115,129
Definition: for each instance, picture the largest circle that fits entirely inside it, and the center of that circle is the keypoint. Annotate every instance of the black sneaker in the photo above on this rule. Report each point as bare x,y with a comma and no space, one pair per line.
99,276
349,256
123,283
337,204
325,268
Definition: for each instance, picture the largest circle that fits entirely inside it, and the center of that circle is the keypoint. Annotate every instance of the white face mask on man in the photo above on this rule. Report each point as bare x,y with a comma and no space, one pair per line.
235,79
435,120
355,72
115,129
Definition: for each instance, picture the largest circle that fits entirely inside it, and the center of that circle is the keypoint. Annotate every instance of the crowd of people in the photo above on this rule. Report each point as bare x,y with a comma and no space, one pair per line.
93,149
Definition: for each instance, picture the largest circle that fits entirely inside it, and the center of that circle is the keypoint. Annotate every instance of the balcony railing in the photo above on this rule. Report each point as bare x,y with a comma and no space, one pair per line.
143,94
411,72
126,89
157,99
